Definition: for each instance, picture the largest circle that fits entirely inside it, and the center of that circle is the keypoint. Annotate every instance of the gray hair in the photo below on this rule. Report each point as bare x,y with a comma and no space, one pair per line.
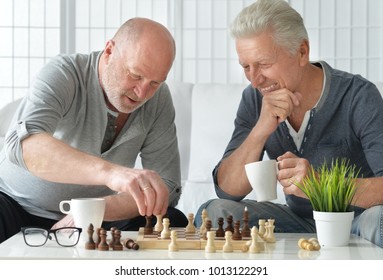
275,16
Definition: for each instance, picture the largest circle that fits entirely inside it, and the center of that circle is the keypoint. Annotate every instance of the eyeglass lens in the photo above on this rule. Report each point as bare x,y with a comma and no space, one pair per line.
67,236
35,236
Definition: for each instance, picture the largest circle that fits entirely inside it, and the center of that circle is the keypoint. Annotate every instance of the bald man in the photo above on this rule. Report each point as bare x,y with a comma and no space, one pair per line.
80,128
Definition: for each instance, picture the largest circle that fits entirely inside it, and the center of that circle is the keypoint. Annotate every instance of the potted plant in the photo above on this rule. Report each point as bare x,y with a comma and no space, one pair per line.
331,190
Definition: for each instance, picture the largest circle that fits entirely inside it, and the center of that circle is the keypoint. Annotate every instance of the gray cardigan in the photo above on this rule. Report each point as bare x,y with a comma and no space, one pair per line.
66,100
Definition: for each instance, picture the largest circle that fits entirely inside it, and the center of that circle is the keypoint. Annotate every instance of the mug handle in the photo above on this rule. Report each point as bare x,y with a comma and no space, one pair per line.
277,167
61,206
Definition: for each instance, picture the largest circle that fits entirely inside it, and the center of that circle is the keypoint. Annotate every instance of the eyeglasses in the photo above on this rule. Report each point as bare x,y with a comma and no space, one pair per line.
66,236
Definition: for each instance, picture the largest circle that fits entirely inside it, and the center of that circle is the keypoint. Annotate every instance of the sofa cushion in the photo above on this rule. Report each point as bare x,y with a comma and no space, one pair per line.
182,98
214,107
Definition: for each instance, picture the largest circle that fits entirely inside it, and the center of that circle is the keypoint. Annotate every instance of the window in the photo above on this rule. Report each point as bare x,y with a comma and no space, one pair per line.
348,34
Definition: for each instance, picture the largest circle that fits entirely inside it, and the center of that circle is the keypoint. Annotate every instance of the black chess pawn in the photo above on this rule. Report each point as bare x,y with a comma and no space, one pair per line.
148,229
117,245
229,224
237,233
208,228
111,242
220,231
98,238
90,244
103,245
130,244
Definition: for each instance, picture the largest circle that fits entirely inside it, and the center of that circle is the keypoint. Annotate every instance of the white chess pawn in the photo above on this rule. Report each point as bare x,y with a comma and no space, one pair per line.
173,247
165,233
210,246
256,245
228,246
158,226
190,228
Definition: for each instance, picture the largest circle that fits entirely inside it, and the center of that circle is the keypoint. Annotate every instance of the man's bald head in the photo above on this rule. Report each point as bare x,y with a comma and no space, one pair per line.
142,30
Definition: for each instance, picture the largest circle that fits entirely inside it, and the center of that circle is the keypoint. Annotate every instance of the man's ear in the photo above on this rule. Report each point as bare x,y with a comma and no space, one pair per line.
304,52
109,48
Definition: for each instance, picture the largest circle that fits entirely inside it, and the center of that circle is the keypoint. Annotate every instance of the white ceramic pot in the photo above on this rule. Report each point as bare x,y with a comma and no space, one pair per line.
333,228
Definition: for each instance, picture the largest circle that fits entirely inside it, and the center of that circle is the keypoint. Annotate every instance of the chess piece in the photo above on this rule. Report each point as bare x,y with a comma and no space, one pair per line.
103,245
208,226
111,242
173,247
305,244
310,245
158,227
90,244
130,244
229,224
261,228
269,234
256,245
245,248
265,235
220,232
117,245
245,228
204,214
165,233
98,238
315,242
148,229
210,246
228,246
202,230
204,218
237,234
190,228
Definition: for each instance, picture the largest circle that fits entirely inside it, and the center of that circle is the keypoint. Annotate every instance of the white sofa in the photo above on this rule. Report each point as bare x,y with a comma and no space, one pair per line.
205,120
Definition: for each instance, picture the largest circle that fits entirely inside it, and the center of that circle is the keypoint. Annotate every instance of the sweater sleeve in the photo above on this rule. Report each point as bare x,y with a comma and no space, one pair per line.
367,122
42,108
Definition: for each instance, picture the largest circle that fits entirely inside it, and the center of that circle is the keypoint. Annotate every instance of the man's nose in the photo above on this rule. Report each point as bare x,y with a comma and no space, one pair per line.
142,89
256,77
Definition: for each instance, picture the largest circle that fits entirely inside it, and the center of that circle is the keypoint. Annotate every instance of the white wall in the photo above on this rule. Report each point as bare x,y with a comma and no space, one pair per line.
346,33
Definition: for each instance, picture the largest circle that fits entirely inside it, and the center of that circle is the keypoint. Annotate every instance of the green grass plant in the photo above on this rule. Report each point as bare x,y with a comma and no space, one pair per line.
330,188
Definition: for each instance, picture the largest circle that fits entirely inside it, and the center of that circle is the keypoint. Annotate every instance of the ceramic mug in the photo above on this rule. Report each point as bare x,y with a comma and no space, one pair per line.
262,176
85,211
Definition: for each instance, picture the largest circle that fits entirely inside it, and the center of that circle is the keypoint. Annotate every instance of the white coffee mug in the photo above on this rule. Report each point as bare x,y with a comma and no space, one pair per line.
262,176
85,211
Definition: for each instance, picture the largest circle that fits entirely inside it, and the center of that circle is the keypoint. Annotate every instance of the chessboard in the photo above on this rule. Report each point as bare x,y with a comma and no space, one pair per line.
162,236
185,241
